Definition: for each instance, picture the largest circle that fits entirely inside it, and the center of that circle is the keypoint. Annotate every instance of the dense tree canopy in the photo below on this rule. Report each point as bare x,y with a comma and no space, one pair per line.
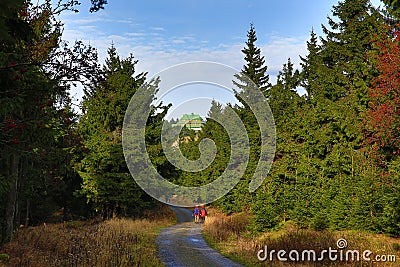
37,138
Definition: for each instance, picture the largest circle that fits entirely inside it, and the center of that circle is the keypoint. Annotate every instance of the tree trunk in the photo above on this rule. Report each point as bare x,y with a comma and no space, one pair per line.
28,205
12,200
23,168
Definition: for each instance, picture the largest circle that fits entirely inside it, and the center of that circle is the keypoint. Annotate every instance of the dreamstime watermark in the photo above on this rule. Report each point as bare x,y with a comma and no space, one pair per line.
338,254
207,73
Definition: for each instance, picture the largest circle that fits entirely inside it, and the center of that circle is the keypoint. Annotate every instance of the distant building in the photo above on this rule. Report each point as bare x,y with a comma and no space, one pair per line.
191,121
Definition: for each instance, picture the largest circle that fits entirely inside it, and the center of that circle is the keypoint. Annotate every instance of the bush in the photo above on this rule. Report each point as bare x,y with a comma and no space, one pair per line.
319,223
4,257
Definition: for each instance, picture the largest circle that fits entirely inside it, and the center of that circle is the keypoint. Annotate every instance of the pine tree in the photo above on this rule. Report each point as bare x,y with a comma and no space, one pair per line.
252,75
255,68
107,182
282,97
310,67
344,48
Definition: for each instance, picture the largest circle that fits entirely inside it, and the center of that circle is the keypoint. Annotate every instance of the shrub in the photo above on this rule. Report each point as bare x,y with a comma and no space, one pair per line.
4,257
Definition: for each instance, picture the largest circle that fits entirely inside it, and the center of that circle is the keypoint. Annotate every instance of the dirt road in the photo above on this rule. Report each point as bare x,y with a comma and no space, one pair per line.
183,245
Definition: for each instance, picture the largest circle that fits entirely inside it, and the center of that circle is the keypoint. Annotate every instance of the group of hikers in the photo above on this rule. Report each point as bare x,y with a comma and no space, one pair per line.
199,214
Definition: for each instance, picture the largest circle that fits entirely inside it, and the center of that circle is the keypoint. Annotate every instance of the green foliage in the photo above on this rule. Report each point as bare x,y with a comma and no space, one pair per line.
104,173
265,209
97,5
311,68
37,125
324,175
284,94
106,181
255,68
4,257
390,221
319,222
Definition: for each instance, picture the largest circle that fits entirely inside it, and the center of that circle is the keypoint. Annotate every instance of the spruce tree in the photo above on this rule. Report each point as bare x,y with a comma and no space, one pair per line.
106,179
282,97
255,68
344,48
310,67
346,75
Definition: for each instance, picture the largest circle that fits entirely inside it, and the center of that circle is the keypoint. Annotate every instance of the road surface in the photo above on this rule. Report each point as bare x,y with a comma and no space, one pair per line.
183,245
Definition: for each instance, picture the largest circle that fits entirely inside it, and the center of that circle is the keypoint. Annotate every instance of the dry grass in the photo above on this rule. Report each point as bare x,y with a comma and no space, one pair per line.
117,242
229,235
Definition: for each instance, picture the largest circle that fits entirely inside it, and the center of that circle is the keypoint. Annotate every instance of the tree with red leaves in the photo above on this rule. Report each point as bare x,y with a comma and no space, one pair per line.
382,129
36,71
382,120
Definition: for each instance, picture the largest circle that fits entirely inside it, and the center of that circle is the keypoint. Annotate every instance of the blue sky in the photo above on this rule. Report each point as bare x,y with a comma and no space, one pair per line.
161,33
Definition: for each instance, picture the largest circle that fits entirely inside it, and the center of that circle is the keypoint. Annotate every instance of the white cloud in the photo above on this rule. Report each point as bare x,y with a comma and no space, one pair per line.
69,20
135,34
157,28
178,41
156,53
276,52
279,49
89,29
126,21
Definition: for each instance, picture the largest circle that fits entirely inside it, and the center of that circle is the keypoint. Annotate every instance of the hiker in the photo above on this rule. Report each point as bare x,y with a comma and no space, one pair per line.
203,213
196,214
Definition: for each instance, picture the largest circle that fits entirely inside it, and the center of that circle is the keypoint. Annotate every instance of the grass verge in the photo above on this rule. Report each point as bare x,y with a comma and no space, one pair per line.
229,235
116,242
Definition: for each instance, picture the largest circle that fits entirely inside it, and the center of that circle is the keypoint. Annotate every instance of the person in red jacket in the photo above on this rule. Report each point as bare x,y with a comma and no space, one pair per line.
203,213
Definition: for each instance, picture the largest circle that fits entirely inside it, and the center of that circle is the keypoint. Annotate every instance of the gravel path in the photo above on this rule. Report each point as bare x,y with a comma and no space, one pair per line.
183,245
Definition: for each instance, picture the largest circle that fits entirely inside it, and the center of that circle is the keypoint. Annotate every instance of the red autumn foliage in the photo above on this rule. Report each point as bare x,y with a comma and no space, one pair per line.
12,64
22,70
382,120
16,77
15,141
9,124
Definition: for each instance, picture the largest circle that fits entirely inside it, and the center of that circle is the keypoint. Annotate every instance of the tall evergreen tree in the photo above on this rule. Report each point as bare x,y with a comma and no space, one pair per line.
255,70
283,97
345,47
255,67
106,179
311,65
277,193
